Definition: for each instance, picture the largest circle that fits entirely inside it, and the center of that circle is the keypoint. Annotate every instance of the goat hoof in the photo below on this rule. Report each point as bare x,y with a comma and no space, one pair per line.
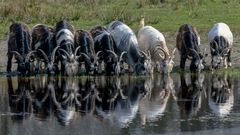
230,64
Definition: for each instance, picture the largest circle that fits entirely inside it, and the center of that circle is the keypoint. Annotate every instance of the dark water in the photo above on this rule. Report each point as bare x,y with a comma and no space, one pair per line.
176,104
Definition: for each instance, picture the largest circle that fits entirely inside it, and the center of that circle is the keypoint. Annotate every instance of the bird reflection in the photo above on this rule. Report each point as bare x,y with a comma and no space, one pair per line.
221,97
189,94
20,98
154,102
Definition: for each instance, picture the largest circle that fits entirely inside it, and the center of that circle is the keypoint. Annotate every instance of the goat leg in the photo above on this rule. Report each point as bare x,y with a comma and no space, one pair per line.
229,59
9,63
183,61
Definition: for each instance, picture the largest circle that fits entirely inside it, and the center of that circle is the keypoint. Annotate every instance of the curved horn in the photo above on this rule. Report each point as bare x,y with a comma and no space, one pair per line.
85,55
195,52
149,54
112,52
144,54
96,57
164,51
173,53
28,55
217,49
68,55
44,55
75,53
120,58
53,54
98,53
17,54
224,51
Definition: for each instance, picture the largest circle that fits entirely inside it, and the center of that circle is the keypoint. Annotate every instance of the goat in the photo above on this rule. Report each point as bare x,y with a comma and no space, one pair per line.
220,39
187,44
104,42
126,41
84,40
152,41
44,44
65,42
19,45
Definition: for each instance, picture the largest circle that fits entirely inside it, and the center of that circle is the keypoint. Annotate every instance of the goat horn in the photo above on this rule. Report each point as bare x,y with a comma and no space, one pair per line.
76,51
120,58
224,51
53,54
194,51
173,52
114,54
17,54
28,55
149,54
145,55
164,51
68,55
98,53
44,55
86,56
96,58
216,47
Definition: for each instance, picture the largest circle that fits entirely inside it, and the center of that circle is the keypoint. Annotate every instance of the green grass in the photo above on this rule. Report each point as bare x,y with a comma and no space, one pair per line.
84,14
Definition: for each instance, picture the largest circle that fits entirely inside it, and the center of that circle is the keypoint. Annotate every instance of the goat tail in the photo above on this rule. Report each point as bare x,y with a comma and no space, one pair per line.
142,23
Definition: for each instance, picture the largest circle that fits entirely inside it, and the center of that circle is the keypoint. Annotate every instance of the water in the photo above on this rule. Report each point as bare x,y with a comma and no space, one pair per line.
177,104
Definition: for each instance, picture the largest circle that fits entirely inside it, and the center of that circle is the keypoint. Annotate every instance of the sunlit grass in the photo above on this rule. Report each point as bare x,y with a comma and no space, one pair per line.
84,14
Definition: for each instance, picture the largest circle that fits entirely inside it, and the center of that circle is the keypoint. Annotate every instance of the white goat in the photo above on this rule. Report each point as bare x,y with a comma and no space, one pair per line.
220,39
152,41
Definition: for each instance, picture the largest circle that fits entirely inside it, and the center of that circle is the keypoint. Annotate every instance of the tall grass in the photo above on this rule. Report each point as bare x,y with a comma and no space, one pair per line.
165,15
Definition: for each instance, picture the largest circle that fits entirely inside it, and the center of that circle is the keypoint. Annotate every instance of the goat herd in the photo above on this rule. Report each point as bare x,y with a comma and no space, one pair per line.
110,50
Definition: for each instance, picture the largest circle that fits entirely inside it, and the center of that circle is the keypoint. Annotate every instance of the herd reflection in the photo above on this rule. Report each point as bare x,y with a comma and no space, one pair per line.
118,100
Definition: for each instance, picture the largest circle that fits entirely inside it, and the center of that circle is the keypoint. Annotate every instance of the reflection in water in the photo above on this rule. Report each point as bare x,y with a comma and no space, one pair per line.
189,94
66,99
221,96
154,102
20,99
121,102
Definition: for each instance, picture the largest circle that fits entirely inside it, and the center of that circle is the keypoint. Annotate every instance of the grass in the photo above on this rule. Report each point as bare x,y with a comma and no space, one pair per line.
84,14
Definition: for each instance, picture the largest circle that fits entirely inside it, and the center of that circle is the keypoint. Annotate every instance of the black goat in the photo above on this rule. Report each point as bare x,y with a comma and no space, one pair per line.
104,42
188,46
19,46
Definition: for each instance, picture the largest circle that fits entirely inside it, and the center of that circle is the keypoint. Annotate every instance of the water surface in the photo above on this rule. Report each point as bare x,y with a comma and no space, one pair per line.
205,103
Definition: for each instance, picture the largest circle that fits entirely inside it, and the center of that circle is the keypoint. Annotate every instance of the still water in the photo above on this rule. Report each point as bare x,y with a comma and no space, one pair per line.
205,103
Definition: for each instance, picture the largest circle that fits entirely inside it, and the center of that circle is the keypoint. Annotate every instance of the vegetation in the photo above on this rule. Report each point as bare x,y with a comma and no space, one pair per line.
165,15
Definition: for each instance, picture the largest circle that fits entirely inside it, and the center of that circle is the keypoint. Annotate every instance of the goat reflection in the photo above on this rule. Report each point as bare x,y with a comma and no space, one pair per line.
66,99
20,99
43,104
189,94
221,97
154,102
120,101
